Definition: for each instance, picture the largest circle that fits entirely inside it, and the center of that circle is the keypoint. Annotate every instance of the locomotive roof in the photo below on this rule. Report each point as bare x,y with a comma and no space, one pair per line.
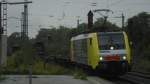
82,36
88,35
110,32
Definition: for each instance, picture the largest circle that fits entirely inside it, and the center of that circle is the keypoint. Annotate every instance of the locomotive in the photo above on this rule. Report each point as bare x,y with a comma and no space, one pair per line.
102,51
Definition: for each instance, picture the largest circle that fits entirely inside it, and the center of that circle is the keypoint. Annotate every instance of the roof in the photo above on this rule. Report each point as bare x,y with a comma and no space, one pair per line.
82,36
88,35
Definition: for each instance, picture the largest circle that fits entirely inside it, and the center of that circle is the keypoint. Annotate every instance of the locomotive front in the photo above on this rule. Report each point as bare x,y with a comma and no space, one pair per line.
114,52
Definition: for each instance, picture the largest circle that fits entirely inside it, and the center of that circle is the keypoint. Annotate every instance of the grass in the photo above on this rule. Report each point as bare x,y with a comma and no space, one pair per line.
50,69
1,73
79,74
38,68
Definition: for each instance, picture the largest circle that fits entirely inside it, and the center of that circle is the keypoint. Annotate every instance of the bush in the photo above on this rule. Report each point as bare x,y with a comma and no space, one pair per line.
79,74
1,73
37,68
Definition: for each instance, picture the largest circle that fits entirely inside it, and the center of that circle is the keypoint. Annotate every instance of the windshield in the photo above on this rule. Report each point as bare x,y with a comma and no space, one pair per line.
106,40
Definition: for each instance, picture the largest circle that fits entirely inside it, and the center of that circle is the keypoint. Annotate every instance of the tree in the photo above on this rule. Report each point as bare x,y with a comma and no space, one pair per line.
55,41
138,29
14,41
108,26
81,29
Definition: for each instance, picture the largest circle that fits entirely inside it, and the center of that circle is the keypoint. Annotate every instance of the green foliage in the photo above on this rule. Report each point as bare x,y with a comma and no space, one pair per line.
79,74
55,69
37,68
14,42
108,26
98,26
2,78
56,41
28,53
18,62
138,29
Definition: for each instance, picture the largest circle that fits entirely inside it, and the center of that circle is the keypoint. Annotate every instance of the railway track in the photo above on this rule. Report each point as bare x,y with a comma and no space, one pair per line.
136,78
129,78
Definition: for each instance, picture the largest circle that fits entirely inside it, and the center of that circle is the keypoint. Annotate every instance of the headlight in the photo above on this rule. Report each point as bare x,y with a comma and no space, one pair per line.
101,58
111,48
124,57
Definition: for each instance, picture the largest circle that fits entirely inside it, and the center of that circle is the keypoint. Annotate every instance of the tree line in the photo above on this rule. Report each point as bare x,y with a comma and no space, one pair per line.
53,42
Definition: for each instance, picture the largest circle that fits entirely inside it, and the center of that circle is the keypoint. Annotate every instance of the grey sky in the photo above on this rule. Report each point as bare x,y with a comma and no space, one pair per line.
46,13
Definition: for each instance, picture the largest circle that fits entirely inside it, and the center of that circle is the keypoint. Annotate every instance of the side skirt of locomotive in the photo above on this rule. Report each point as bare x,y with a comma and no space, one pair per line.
113,67
109,68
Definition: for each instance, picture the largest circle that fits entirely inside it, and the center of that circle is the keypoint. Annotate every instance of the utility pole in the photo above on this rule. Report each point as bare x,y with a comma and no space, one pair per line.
25,34
123,17
22,25
4,16
1,32
78,21
3,35
25,19
24,29
3,27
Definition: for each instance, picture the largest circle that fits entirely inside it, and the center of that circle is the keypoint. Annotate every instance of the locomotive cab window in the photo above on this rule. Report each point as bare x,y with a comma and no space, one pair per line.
107,40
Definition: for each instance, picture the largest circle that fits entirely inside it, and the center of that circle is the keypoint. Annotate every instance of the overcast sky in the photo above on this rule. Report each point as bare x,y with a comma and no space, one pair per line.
47,13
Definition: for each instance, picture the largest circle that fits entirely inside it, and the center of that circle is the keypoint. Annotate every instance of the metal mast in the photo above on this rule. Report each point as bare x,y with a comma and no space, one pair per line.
4,16
22,25
3,27
25,19
3,33
123,18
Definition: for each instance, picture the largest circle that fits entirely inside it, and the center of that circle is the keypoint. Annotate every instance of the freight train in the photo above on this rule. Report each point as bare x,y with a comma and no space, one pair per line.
102,51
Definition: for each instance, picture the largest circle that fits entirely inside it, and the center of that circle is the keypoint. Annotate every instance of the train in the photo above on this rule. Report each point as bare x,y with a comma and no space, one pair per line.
102,51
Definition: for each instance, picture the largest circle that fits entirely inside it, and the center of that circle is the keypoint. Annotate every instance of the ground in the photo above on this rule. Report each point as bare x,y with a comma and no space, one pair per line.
50,79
